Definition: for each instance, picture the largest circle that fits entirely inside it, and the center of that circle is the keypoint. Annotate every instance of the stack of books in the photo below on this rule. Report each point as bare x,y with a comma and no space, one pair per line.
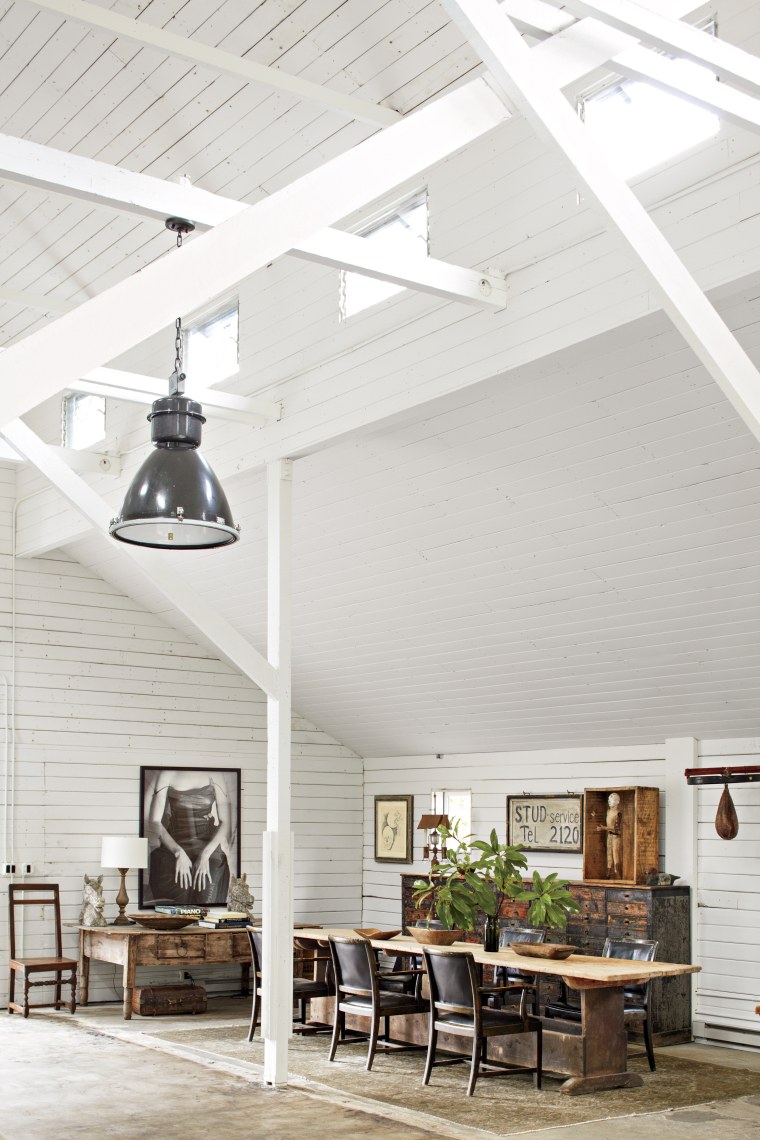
189,911
224,919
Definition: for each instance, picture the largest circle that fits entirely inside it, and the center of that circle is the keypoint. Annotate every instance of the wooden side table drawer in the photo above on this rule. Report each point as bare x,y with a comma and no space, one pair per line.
178,946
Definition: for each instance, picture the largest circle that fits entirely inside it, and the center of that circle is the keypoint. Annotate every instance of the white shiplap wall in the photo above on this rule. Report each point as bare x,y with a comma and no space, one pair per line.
492,777
728,916
103,687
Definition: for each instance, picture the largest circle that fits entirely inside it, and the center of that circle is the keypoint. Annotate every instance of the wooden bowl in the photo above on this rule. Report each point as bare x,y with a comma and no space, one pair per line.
432,936
370,932
162,921
555,950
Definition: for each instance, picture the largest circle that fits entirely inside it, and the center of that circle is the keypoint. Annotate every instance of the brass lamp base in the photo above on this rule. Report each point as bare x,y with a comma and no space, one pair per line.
122,899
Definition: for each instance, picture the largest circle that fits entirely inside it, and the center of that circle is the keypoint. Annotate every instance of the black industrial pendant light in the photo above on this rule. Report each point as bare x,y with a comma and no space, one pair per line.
175,501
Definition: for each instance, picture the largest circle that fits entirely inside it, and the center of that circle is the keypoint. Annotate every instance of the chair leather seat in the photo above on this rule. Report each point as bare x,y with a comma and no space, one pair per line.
307,987
400,1003
490,1018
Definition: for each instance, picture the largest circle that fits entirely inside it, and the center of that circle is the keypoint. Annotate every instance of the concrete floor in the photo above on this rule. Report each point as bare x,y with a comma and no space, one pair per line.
97,1076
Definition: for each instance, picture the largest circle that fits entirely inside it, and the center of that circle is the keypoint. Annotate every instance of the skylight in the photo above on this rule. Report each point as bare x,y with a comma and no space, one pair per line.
403,228
84,420
211,348
641,126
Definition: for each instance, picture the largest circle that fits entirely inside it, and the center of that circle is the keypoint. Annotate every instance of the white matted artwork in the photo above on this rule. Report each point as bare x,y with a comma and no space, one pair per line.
393,828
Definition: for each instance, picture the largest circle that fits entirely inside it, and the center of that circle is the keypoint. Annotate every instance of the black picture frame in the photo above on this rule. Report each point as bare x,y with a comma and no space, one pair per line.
393,829
546,823
181,815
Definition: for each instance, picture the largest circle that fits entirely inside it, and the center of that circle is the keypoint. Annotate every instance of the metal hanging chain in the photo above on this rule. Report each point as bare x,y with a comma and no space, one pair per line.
178,346
177,379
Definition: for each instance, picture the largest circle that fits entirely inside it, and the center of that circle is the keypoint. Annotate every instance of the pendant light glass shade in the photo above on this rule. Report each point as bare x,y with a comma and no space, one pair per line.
175,501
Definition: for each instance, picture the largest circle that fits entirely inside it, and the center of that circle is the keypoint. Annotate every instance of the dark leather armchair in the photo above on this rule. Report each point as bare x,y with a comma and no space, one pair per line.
304,989
456,1006
358,992
525,984
635,998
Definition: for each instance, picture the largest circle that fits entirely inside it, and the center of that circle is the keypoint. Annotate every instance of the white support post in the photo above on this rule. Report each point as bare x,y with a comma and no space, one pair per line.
518,73
681,831
277,907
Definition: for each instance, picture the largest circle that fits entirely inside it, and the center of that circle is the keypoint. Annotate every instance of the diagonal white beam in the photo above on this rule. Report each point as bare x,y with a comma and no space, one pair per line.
525,82
222,61
153,567
87,179
731,63
126,314
50,306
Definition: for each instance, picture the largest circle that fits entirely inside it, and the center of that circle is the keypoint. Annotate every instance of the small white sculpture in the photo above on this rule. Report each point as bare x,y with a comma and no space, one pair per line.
93,902
239,897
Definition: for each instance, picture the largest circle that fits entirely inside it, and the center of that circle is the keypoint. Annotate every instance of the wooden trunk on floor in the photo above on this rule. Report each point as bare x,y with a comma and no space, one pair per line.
155,1001
660,913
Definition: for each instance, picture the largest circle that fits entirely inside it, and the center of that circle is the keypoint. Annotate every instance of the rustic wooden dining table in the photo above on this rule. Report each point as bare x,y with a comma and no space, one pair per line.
591,1054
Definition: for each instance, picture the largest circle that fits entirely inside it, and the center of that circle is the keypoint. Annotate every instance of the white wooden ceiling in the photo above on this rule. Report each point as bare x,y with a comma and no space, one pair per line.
564,553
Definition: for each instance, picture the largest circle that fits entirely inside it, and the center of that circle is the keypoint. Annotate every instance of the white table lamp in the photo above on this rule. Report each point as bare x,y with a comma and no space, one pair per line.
123,852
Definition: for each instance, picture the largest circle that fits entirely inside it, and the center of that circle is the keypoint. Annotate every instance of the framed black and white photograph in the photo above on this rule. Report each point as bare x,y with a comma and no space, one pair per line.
546,823
393,828
191,818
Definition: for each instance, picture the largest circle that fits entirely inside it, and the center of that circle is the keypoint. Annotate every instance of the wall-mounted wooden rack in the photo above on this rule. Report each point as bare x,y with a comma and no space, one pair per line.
747,774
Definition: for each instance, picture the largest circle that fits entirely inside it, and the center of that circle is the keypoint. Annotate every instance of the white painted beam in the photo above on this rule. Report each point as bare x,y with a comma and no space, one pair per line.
680,39
426,274
525,82
277,908
87,179
155,567
140,389
49,306
126,314
142,32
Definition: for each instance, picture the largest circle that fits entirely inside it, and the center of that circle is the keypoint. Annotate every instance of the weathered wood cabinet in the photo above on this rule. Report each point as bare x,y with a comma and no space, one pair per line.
661,913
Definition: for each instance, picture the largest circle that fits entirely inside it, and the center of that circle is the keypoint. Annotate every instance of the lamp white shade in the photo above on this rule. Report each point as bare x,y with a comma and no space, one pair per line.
124,851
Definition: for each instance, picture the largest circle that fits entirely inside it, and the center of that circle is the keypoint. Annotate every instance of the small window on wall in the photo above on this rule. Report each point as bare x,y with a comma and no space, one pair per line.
457,805
404,229
211,348
640,126
83,420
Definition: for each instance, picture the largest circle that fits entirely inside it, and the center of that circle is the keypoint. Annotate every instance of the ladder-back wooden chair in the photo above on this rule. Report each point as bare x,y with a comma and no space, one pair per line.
39,895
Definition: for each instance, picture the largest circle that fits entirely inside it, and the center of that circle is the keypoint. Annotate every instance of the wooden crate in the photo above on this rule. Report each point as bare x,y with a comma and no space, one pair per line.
639,834
155,1001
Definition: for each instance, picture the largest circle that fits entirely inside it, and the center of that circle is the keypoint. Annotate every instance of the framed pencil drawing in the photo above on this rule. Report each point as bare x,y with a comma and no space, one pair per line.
393,829
191,818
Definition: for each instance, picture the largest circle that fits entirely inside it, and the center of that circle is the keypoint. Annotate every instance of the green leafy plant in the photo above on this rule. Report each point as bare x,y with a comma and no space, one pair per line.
501,866
453,892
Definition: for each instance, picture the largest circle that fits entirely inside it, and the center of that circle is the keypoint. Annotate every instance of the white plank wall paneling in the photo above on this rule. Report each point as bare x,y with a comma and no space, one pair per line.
103,687
728,916
491,777
727,925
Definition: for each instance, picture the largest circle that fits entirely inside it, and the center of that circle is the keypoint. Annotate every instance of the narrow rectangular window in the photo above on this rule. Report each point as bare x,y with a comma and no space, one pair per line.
403,227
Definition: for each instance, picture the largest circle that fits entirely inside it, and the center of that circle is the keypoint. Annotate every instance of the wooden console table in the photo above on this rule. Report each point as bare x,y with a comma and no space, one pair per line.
133,946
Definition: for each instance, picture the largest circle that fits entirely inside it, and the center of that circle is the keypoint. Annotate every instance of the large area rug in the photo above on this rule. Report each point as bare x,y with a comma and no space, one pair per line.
502,1106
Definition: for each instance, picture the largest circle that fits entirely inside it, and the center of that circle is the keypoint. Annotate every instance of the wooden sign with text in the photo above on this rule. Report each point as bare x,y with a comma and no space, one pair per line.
546,823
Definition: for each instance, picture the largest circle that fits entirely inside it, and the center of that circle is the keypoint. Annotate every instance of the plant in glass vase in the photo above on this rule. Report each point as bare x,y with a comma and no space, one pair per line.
501,867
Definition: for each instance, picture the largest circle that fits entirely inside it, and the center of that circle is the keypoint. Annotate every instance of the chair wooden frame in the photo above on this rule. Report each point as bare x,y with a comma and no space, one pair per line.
304,989
477,1027
44,894
369,1001
635,998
